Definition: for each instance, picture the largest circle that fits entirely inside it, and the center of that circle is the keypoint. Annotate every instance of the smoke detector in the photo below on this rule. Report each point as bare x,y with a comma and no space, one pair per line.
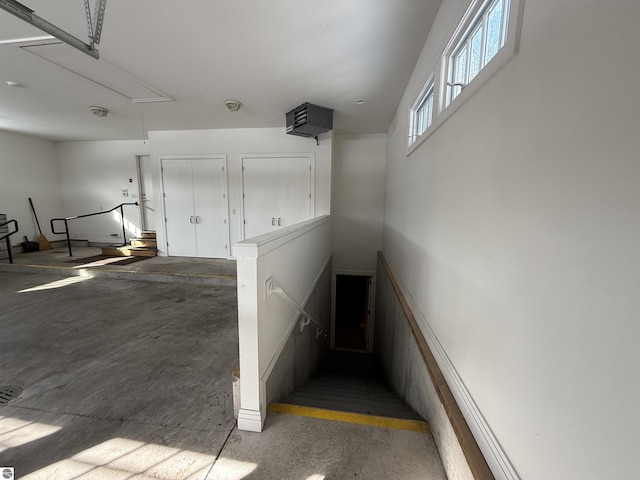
232,105
99,111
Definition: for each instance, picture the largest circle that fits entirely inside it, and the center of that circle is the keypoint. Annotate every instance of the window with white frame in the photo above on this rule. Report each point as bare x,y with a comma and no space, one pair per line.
483,37
422,111
486,37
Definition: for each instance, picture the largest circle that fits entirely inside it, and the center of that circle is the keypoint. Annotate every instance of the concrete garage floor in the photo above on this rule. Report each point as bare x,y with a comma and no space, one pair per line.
125,378
118,376
301,448
207,271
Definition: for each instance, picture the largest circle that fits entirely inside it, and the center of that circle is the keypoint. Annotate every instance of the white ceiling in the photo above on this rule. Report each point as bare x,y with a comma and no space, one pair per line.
271,55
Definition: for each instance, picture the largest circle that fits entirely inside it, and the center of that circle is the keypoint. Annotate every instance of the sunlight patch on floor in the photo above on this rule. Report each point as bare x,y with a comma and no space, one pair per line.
120,458
104,261
56,284
15,432
230,469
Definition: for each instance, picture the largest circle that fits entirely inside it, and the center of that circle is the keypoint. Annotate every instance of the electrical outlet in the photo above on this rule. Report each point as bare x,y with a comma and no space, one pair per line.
268,285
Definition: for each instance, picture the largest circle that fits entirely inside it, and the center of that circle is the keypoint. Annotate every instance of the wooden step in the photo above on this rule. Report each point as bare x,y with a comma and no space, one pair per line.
144,242
151,234
129,251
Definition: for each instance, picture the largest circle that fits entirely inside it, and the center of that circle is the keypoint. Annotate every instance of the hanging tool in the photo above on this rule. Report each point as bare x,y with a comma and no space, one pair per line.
43,243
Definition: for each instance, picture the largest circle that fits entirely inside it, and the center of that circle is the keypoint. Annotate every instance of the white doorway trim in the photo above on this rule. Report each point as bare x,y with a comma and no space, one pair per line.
142,191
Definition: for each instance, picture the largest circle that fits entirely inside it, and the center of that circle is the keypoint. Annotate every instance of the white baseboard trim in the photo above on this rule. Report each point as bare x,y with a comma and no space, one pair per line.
250,420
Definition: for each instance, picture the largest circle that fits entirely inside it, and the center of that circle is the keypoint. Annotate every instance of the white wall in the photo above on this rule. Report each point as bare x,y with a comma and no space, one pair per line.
359,163
232,143
29,168
515,229
92,176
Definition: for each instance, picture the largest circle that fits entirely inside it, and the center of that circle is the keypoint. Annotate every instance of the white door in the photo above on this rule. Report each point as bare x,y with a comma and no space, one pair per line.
210,208
177,178
147,209
277,192
195,199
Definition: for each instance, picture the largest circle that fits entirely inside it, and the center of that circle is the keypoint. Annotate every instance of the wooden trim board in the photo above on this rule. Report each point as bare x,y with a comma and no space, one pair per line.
476,460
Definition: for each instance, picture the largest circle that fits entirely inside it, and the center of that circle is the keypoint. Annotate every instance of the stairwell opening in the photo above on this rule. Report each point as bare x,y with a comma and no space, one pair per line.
348,381
352,312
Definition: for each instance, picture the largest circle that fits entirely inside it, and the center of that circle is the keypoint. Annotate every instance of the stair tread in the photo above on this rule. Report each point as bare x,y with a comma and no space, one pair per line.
351,393
144,242
369,388
346,399
350,378
352,390
334,377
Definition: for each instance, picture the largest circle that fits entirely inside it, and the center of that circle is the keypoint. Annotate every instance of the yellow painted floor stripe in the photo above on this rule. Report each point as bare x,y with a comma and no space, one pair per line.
347,417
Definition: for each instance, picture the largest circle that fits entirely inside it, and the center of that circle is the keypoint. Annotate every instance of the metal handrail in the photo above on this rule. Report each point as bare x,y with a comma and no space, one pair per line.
309,319
7,235
66,223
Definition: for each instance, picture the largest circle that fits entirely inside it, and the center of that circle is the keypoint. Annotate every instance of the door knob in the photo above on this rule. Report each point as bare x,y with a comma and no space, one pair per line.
191,219
273,221
198,219
279,221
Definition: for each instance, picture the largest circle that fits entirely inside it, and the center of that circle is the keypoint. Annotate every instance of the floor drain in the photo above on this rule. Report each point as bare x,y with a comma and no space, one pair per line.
8,393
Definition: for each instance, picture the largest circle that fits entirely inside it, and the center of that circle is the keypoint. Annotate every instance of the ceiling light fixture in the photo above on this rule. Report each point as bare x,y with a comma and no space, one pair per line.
232,105
360,101
99,111
11,83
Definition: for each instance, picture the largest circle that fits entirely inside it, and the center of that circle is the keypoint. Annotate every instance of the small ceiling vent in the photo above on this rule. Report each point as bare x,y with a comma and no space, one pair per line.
232,105
309,120
99,111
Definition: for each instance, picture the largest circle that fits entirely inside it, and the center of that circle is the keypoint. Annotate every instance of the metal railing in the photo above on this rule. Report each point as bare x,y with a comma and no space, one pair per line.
306,318
6,236
66,223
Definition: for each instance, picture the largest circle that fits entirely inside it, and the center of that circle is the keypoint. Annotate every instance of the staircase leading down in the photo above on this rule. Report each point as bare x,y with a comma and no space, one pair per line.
144,246
345,393
349,384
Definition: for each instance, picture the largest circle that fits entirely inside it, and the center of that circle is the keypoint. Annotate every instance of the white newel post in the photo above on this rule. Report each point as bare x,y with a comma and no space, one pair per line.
252,411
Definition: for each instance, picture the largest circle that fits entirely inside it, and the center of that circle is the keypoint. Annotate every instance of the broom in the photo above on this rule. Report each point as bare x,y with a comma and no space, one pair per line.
43,243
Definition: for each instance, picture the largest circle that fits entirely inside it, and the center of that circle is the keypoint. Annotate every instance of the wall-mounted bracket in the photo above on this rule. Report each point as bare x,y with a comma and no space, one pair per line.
304,321
268,287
